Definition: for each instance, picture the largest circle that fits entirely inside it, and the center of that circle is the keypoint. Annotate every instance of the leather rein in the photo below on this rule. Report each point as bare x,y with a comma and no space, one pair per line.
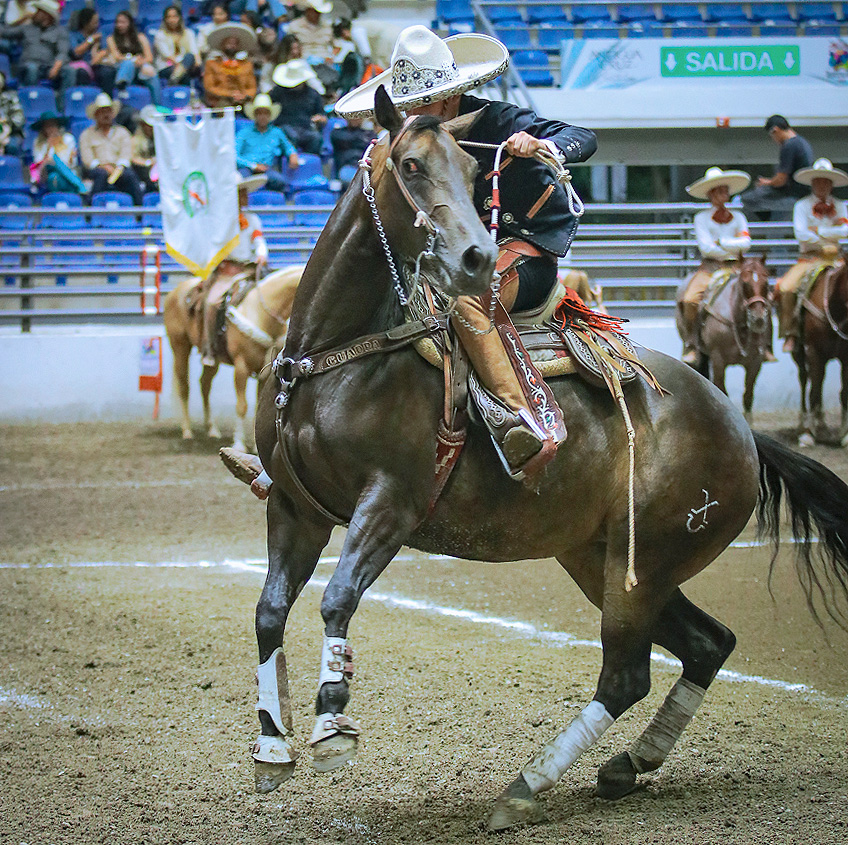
747,303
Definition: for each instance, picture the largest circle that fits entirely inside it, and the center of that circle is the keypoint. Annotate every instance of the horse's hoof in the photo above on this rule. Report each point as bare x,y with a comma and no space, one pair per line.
239,446
749,417
510,812
332,753
616,778
187,435
213,432
270,775
806,440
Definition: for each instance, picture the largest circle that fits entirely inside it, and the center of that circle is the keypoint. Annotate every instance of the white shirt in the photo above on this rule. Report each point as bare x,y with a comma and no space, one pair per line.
813,232
722,241
251,245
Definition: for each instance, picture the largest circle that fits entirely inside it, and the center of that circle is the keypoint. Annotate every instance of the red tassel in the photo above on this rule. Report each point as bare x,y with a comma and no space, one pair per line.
572,307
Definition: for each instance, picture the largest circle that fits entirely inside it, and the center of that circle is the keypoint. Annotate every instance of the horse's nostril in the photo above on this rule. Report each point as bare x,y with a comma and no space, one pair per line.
473,260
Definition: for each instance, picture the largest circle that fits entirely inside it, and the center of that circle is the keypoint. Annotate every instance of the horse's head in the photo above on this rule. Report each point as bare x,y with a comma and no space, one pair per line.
754,286
423,184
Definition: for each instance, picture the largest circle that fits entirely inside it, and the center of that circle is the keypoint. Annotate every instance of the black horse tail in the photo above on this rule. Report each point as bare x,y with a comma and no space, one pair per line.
817,505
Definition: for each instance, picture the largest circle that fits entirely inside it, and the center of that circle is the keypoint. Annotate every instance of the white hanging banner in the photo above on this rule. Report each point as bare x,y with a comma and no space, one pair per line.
198,187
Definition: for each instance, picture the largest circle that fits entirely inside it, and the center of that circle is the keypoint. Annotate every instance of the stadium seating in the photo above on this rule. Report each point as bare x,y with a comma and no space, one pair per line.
6,69
727,12
14,200
176,96
515,38
12,174
69,8
271,219
150,12
815,11
77,124
78,99
549,15
500,15
36,99
769,29
310,173
777,12
454,11
680,12
117,219
631,12
151,220
734,30
135,96
108,11
600,29
312,197
326,141
590,12
61,199
551,38
534,67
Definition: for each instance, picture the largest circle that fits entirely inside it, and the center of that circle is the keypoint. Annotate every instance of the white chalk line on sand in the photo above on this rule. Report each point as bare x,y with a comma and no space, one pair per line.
95,485
258,566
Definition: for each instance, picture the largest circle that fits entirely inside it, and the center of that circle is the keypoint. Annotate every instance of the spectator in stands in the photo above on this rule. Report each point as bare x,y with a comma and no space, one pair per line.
302,108
17,11
55,160
723,239
106,151
220,15
314,33
143,158
820,221
260,146
270,55
89,55
11,120
44,46
290,48
272,11
131,53
430,76
348,62
779,192
349,143
228,77
250,255
177,55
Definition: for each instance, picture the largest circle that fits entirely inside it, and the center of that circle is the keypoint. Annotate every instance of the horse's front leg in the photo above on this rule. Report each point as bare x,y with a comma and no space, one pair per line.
752,370
382,522
719,366
294,545
205,388
813,427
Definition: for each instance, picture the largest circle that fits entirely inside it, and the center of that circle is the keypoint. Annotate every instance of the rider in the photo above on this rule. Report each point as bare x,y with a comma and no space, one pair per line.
249,255
820,221
723,239
431,76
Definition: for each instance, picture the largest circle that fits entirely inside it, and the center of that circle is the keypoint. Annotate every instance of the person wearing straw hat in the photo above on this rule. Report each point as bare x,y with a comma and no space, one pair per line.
301,106
249,256
722,237
260,146
229,78
106,150
820,221
432,76
314,32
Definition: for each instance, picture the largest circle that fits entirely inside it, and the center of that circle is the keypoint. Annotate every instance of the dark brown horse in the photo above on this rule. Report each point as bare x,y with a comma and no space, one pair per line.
358,441
823,337
736,326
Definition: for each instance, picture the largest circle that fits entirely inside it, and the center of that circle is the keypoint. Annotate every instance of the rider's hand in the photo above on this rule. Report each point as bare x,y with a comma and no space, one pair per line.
523,145
262,261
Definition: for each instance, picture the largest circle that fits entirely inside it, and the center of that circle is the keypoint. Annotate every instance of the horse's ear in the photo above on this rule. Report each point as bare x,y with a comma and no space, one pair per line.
460,126
385,112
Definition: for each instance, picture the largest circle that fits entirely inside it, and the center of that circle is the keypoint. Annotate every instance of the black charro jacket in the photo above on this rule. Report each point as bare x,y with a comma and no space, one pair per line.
524,181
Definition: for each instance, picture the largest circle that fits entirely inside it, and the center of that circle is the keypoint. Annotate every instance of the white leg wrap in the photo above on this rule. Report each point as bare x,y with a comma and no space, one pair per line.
548,766
665,728
273,749
330,724
274,691
336,661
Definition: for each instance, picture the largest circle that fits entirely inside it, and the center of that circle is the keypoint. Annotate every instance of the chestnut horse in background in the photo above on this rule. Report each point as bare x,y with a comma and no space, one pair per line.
823,336
254,328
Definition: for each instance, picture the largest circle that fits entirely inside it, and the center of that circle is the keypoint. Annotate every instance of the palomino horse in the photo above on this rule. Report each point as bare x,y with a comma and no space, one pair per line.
356,444
823,336
257,325
736,327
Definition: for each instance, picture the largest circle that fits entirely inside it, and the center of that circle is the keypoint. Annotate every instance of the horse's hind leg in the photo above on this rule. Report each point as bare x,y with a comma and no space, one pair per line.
181,349
205,388
241,373
702,644
294,546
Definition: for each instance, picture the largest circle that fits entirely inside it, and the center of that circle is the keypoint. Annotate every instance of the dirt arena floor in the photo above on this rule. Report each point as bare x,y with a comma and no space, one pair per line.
130,565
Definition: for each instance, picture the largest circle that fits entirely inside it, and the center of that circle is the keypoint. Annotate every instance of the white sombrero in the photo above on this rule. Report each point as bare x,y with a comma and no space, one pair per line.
735,180
323,7
251,183
102,101
245,35
292,73
262,101
426,69
822,169
50,6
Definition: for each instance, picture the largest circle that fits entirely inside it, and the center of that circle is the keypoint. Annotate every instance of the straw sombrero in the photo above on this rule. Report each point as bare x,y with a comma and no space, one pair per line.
245,35
102,101
426,69
292,73
323,7
262,101
822,169
251,183
736,181
50,6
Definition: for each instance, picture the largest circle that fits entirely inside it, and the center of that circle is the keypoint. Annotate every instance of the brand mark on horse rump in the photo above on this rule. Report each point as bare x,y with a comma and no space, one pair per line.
702,512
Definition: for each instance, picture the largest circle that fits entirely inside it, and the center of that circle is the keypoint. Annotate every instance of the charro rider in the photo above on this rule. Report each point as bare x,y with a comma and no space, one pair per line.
250,255
430,76
820,221
723,239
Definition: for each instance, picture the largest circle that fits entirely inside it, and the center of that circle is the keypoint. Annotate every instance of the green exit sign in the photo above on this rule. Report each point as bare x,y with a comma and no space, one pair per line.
723,60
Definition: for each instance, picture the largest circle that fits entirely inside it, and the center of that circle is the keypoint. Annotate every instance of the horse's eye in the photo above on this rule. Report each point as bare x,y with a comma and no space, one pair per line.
410,166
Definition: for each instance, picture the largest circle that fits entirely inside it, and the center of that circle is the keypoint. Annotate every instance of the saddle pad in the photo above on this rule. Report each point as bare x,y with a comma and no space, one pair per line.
809,279
717,284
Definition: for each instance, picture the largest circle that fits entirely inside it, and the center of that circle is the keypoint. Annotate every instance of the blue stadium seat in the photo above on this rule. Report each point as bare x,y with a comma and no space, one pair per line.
276,199
515,38
730,12
135,96
69,8
8,259
312,197
6,68
680,12
326,141
62,199
12,174
534,67
770,29
115,220
77,124
599,29
36,99
551,38
266,197
734,30
548,15
176,96
14,200
815,11
452,11
823,29
78,99
310,174
151,219
503,14
150,12
631,12
108,11
778,12
590,12
688,30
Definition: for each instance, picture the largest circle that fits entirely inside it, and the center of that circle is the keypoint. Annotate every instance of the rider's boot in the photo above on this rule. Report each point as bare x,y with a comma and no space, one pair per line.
787,327
248,469
690,321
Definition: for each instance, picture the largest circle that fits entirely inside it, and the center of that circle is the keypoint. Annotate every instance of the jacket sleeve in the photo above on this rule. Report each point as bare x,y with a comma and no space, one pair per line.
241,151
803,233
213,82
741,240
87,151
708,247
839,230
125,148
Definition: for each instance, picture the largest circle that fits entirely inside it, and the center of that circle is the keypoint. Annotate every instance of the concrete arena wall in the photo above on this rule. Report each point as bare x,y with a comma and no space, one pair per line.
91,373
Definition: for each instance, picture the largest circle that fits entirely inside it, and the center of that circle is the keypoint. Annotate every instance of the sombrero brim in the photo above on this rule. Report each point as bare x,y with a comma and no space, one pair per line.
321,8
285,79
274,108
735,180
251,183
94,108
245,35
837,176
479,59
58,118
